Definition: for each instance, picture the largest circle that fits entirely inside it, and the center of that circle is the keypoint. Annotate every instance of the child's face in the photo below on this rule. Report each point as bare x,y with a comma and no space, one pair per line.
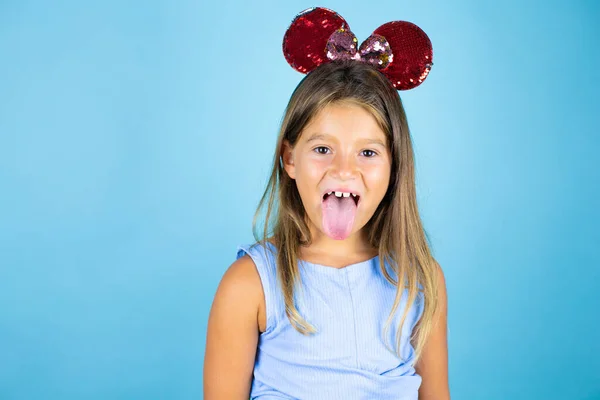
344,158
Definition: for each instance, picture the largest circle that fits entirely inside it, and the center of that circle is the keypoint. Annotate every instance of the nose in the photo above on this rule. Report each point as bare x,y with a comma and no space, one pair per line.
344,166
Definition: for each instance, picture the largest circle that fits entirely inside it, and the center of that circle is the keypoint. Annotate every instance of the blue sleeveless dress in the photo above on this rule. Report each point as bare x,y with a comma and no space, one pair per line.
346,358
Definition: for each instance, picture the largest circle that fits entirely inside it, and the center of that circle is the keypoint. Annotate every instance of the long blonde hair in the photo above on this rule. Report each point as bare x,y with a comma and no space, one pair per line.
395,228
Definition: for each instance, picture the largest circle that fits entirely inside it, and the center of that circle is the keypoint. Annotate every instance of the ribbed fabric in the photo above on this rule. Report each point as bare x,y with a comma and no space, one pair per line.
346,358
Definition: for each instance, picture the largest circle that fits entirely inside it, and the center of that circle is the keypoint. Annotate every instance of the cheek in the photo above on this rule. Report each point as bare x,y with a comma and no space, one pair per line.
378,173
309,173
376,168
311,168
377,178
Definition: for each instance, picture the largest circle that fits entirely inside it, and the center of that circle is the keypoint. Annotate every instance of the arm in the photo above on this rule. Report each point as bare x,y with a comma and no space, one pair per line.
232,333
433,364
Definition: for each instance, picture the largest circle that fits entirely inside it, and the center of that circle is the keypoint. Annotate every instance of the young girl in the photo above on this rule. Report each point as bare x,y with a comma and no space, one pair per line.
313,310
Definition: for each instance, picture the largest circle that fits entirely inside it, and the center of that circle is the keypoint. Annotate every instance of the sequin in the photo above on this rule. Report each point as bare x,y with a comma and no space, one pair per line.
413,54
342,45
399,49
305,40
375,50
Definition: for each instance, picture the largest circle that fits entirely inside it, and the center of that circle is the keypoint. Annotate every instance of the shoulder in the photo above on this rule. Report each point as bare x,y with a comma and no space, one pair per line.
241,284
440,292
433,363
232,332
441,288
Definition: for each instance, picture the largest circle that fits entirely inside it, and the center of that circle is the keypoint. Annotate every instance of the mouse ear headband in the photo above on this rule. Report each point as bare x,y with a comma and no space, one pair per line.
398,49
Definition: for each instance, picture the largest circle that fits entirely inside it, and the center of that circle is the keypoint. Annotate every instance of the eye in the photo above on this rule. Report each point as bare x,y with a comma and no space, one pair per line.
321,147
326,148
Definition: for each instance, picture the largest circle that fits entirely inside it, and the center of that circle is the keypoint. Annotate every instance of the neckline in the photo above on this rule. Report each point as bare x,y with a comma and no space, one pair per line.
334,269
329,268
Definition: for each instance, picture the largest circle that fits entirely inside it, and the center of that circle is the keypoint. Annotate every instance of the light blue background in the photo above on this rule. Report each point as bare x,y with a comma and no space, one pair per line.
135,142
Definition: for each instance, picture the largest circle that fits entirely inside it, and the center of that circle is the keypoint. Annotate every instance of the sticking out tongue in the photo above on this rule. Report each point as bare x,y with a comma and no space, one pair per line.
338,216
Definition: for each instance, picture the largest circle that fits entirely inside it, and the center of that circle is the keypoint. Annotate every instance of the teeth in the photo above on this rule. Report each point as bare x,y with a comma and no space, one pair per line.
342,194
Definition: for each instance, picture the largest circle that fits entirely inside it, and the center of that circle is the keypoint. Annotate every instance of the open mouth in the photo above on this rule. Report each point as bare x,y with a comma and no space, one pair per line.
355,198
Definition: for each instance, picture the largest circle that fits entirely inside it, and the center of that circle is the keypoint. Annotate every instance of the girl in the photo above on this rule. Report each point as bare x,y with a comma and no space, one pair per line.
312,311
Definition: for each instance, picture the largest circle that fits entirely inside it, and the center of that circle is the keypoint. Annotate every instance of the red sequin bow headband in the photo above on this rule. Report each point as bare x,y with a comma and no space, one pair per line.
398,49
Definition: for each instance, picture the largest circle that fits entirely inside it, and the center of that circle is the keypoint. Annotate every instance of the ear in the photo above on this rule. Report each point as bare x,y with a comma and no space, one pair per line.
288,159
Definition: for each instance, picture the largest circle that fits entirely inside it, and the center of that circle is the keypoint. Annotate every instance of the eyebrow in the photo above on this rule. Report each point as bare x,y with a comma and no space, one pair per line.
318,136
